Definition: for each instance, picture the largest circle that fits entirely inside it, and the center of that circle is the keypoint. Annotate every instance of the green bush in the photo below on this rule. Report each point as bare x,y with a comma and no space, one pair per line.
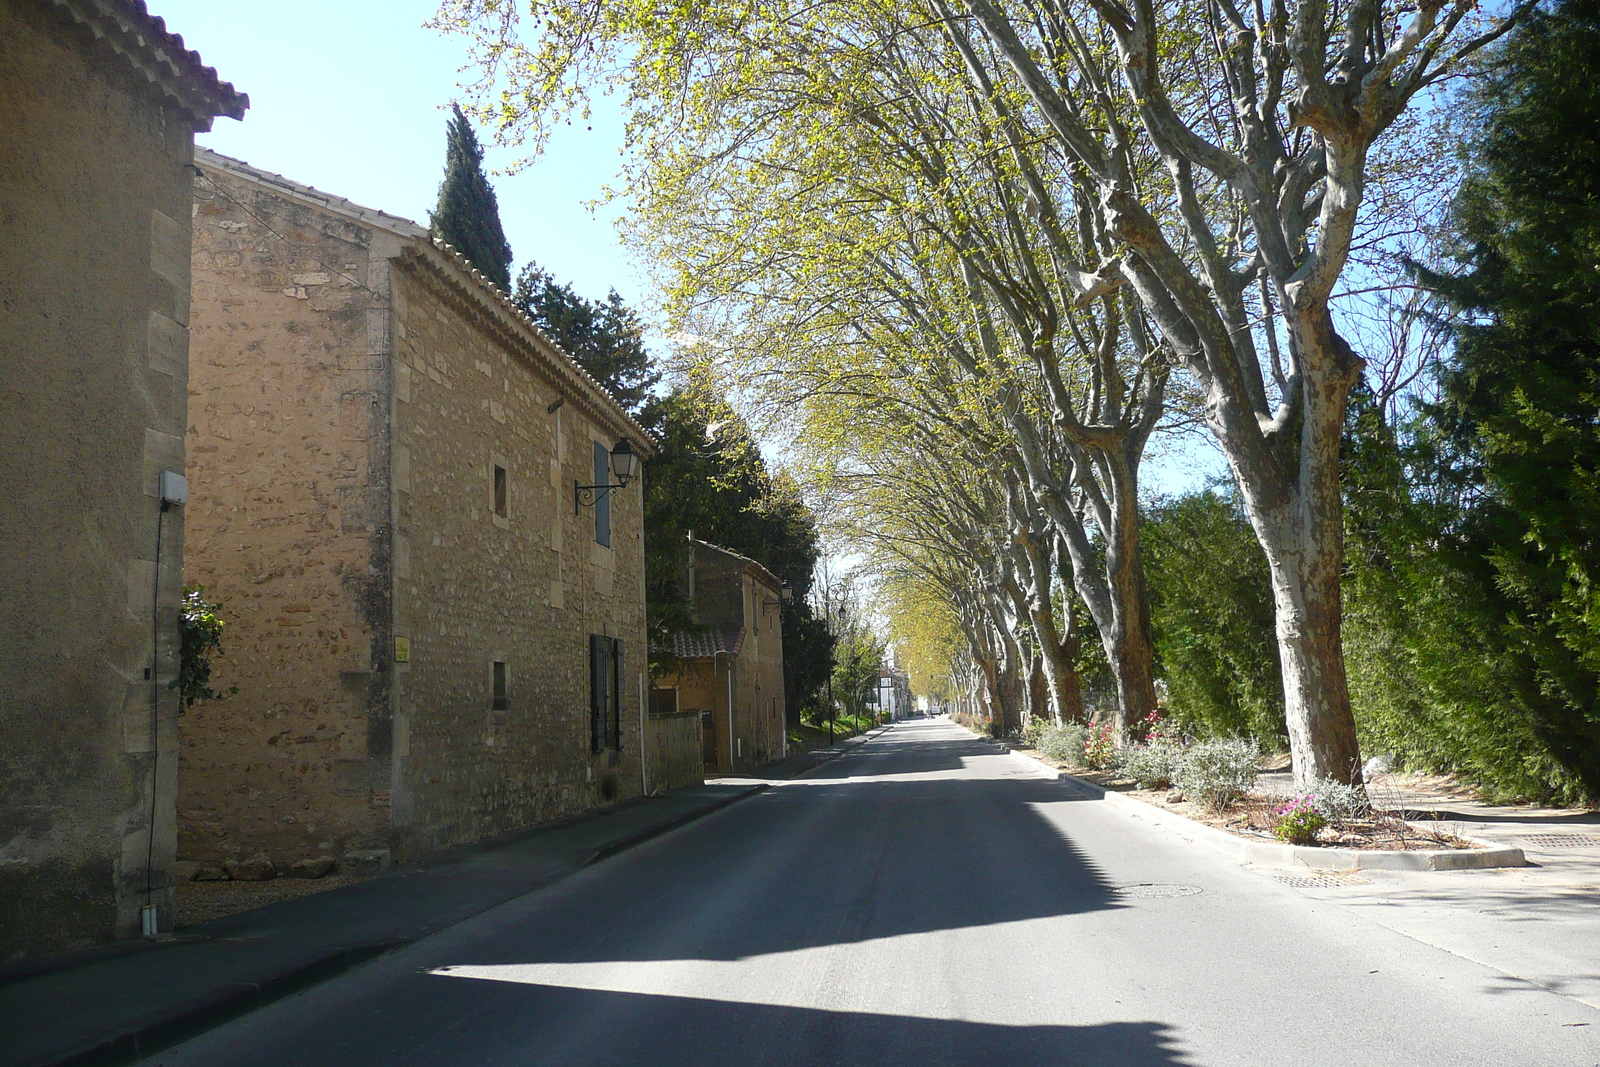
1064,743
1338,802
1217,773
200,629
1153,765
1211,616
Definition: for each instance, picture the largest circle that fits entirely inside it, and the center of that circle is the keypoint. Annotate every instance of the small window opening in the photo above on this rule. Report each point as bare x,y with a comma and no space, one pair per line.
500,701
500,491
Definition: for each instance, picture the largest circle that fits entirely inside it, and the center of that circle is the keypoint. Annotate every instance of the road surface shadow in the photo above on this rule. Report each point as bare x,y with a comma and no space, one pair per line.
512,1023
908,751
821,864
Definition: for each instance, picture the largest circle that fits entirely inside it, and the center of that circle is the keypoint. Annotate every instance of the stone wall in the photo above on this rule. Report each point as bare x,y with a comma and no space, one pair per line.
760,678
355,390
288,470
731,591
525,589
673,745
94,273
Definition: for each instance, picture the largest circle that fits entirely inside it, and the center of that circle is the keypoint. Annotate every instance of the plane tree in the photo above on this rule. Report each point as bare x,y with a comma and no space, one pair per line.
1203,163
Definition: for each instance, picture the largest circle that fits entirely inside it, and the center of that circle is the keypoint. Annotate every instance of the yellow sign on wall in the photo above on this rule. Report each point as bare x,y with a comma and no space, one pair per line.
402,650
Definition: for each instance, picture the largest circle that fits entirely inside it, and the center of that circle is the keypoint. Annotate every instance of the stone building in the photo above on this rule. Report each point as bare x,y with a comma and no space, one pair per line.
434,640
98,109
731,673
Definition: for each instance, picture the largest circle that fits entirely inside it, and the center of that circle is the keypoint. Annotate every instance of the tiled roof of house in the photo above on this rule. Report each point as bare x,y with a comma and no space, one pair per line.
423,243
128,29
708,643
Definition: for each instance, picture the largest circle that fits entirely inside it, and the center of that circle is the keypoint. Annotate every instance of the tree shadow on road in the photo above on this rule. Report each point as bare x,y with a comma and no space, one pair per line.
821,864
510,1022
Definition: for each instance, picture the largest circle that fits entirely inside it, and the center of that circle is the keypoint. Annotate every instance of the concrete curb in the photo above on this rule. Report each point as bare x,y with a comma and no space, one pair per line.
840,748
193,1017
634,840
196,1017
1484,854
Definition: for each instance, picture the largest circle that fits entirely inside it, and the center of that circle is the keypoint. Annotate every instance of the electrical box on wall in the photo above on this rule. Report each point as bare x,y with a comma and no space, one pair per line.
174,488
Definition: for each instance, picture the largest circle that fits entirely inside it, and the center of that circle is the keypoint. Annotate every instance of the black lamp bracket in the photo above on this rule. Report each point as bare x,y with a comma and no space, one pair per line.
587,496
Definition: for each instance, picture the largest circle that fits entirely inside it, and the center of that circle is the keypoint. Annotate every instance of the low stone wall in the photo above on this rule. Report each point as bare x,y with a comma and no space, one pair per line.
675,757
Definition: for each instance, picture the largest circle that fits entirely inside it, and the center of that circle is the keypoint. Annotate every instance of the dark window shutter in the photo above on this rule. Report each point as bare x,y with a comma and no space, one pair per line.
617,691
598,673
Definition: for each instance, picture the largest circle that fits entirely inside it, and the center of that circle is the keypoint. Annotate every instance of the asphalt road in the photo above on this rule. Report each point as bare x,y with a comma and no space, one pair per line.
922,900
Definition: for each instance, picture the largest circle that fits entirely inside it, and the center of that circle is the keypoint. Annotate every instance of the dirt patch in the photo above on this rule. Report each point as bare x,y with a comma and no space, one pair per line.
200,902
1253,817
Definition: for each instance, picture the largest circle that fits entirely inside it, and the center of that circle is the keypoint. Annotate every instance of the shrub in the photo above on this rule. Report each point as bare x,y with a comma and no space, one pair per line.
1153,728
200,629
1100,748
1339,803
1064,742
1029,734
1152,765
1299,820
1217,773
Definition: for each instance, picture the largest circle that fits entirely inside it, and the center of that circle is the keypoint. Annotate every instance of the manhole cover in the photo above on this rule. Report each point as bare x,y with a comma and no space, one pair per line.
1322,881
1156,889
1561,840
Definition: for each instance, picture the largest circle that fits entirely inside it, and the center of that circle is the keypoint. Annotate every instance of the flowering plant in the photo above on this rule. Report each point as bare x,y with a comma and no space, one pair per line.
1100,747
1299,820
1149,728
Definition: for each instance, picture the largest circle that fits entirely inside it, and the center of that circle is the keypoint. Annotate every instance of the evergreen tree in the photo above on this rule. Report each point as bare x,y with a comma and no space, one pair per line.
1211,616
605,338
1516,428
468,216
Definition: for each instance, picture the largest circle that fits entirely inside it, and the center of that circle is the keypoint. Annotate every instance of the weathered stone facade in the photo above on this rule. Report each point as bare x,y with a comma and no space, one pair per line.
732,672
98,108
383,461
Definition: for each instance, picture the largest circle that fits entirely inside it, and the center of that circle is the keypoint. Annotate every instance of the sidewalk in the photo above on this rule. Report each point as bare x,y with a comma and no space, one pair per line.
118,1002
1537,925
1533,926
1546,835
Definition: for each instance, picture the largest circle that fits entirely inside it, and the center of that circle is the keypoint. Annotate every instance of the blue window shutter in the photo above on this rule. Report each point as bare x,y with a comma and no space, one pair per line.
602,506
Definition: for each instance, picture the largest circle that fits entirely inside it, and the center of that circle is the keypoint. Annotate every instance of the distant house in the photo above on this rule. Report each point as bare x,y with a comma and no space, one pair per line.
98,109
434,638
894,694
730,676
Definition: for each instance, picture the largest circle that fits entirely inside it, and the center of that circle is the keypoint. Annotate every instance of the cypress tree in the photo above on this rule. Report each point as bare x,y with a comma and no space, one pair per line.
1516,416
468,216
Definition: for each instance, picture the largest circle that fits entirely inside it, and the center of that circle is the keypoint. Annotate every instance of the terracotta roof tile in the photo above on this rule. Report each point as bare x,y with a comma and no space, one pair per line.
127,28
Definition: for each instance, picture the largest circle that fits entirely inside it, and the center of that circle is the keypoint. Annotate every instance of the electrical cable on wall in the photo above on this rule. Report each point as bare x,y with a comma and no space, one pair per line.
171,488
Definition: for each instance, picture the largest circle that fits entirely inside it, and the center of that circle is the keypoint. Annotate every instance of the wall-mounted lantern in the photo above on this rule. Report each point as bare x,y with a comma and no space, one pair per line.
785,595
624,464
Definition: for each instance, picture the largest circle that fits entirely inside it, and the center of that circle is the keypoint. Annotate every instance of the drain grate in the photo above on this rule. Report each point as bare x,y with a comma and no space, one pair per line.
1322,881
1561,840
1149,890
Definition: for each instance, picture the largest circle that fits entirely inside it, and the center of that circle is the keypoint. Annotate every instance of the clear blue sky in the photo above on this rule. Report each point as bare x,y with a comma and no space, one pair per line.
351,96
